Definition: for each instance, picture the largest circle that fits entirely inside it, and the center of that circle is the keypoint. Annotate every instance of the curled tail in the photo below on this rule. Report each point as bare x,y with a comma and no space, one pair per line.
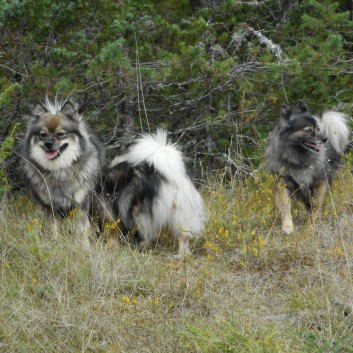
157,152
334,125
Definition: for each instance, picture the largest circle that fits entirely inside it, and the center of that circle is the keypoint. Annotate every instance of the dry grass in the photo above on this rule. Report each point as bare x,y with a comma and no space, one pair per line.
249,288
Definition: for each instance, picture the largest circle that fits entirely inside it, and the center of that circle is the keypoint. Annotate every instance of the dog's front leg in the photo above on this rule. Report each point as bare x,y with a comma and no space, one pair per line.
283,203
84,228
319,193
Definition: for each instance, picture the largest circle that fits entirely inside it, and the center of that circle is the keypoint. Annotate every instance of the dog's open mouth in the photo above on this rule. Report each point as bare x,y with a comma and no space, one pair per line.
55,154
316,147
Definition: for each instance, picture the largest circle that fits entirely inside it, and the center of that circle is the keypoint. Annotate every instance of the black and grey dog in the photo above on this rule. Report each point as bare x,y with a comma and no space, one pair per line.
151,190
305,151
62,160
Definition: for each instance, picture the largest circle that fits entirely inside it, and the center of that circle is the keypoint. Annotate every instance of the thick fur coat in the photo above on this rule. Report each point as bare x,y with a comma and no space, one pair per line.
305,151
151,189
62,158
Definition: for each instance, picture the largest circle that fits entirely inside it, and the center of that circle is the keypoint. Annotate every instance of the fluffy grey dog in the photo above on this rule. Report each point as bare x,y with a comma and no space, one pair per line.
304,150
62,160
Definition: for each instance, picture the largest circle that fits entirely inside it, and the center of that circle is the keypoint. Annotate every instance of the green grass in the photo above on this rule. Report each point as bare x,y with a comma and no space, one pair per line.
248,287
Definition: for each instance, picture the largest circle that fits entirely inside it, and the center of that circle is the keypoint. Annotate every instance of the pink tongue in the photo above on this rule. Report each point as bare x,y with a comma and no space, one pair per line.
52,155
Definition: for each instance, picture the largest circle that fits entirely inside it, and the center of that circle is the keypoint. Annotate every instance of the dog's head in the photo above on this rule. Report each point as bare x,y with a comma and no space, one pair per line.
54,138
301,129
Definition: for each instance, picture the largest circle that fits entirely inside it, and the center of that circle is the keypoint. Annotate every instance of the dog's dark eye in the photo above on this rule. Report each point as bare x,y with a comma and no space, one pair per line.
42,135
60,134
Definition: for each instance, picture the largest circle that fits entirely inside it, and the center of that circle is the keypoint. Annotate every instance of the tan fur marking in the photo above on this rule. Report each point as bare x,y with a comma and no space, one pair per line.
283,204
319,193
137,210
53,122
112,232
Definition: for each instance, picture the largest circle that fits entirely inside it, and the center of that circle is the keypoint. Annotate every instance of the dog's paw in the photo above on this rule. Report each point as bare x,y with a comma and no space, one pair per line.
182,255
287,227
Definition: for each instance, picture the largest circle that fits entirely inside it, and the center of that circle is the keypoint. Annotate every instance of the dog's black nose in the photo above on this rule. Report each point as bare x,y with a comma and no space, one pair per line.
49,145
324,140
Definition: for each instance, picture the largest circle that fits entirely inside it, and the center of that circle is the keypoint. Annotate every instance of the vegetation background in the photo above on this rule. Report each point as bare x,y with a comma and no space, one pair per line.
215,74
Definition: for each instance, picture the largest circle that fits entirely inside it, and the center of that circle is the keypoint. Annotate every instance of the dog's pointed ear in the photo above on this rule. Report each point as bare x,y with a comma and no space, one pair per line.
286,112
302,107
69,110
38,111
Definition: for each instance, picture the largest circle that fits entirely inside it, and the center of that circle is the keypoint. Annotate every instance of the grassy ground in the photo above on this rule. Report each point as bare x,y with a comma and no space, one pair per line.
248,288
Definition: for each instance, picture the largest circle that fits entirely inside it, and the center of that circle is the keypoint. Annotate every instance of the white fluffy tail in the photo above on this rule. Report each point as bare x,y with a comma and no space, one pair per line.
334,125
156,151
